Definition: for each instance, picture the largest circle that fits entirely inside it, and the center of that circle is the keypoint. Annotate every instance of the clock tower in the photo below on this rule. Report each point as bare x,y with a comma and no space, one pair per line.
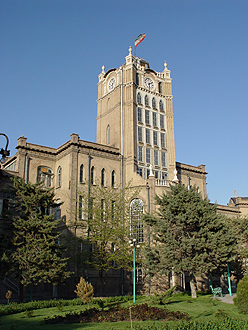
135,114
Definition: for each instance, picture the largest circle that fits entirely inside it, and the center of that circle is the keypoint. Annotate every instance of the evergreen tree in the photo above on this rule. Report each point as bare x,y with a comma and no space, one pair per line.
188,236
84,291
35,256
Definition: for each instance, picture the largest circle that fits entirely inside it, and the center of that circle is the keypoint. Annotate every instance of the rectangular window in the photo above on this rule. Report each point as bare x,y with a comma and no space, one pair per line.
139,134
154,119
163,159
156,157
147,117
148,155
147,173
162,140
140,154
139,171
162,121
140,115
164,176
156,174
155,138
148,137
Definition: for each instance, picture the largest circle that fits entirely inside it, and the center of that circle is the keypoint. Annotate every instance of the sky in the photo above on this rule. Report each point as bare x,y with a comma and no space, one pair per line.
52,52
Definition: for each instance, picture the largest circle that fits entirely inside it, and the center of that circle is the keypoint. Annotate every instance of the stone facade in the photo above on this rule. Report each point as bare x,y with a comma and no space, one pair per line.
135,143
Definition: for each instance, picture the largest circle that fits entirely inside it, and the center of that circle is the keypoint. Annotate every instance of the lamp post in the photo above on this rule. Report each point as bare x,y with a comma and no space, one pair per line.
133,244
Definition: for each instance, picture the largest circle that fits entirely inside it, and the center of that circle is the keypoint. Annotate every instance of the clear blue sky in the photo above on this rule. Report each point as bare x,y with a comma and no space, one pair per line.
52,52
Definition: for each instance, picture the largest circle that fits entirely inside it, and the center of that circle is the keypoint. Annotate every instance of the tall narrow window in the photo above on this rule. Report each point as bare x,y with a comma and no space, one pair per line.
81,173
154,119
162,121
140,154
155,138
58,210
113,179
59,174
156,157
80,208
140,134
147,117
108,134
160,87
163,159
162,140
140,115
139,98
148,139
136,223
161,106
103,177
148,155
137,78
154,103
103,210
146,101
92,175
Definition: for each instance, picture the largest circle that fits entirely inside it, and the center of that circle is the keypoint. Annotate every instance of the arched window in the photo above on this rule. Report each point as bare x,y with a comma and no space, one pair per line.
103,177
113,179
108,134
161,105
81,173
59,175
154,103
44,174
160,87
137,78
146,100
139,98
136,222
92,175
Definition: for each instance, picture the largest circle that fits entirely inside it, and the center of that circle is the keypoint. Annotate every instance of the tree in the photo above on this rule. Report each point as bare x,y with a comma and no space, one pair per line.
188,235
35,256
84,291
102,223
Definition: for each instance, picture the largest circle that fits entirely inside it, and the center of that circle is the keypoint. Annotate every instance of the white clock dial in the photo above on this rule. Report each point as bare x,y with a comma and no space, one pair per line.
111,83
149,83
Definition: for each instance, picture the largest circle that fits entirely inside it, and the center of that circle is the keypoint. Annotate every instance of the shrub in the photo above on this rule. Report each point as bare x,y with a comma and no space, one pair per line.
84,291
162,299
241,301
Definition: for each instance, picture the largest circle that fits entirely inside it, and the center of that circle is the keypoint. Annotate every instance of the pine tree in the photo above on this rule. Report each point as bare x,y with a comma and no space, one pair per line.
36,256
188,236
84,291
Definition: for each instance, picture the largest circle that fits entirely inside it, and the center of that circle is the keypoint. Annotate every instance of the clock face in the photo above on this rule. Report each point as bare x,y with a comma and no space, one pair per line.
149,83
111,84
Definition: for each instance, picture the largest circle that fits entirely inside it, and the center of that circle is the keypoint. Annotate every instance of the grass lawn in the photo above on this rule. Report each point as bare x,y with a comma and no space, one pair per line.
200,309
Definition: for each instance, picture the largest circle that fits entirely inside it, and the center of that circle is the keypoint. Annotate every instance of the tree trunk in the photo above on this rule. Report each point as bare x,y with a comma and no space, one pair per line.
193,286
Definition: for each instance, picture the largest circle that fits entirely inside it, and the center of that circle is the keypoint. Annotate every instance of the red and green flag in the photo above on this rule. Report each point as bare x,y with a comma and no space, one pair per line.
138,40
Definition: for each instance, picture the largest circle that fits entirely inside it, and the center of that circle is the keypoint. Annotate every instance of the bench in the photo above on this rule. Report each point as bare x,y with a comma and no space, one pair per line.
216,291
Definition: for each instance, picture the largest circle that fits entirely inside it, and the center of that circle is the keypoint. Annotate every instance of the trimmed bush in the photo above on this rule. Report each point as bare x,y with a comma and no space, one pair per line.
241,301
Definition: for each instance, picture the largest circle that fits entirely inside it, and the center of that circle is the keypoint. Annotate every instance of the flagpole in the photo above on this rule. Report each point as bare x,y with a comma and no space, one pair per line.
134,48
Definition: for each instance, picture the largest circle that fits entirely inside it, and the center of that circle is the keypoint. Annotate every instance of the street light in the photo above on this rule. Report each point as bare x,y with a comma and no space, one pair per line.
133,244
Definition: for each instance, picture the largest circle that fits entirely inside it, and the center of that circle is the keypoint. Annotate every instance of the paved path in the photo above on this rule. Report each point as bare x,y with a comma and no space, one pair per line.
227,298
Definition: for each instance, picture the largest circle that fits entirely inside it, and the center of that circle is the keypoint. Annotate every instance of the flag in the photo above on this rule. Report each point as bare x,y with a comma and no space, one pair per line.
138,40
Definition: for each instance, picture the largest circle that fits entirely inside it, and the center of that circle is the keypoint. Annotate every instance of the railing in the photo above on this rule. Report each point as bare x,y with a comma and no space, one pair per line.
11,284
160,182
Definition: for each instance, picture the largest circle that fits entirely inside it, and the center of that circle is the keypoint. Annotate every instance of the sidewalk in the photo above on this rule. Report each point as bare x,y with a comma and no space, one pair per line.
227,298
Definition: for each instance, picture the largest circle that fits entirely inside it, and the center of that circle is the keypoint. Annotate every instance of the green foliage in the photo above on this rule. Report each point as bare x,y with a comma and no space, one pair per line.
188,234
241,300
216,324
29,313
84,291
163,298
35,256
14,308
